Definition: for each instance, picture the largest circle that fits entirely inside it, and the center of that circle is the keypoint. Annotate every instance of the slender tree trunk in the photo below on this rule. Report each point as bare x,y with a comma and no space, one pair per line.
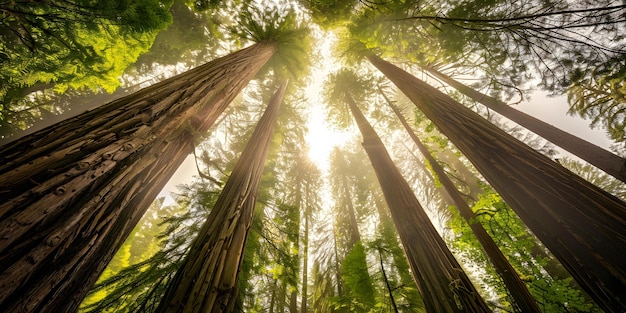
273,296
582,225
461,173
355,235
293,302
522,298
443,284
75,190
413,298
337,264
207,280
600,158
282,296
387,284
305,261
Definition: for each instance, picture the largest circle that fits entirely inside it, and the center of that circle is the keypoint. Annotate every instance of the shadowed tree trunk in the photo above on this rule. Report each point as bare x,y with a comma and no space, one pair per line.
602,159
522,297
443,284
354,270
293,302
282,296
354,235
305,254
273,296
582,225
337,264
74,191
207,280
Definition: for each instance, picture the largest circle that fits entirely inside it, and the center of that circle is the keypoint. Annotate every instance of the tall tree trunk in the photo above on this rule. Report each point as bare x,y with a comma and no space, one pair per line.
293,302
522,298
337,264
282,296
582,225
305,257
207,280
273,296
355,235
602,159
443,284
75,190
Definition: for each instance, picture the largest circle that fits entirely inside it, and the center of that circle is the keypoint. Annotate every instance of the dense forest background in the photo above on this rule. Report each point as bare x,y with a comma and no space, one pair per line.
327,179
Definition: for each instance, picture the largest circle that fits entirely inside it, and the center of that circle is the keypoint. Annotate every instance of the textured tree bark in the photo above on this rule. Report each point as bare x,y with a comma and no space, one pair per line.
443,284
75,190
522,298
600,158
582,225
207,280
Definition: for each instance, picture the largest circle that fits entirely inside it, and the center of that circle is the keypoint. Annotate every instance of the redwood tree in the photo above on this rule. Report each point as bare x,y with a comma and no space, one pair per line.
522,297
207,280
75,190
602,159
443,284
582,225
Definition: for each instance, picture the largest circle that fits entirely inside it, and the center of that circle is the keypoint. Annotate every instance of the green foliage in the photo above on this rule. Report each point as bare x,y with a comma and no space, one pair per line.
342,85
191,39
601,97
91,48
71,44
403,286
553,293
138,287
286,30
359,285
330,13
510,46
355,187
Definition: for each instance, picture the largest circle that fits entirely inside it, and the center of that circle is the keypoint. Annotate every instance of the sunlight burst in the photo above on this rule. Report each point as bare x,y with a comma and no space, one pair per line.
321,138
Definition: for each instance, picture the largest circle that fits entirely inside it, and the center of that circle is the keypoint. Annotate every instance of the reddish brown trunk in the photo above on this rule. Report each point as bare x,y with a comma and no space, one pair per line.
75,190
207,280
293,302
443,284
600,158
582,225
519,292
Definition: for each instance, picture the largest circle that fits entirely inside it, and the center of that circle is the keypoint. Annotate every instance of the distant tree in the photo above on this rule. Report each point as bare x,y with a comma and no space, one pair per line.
357,283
